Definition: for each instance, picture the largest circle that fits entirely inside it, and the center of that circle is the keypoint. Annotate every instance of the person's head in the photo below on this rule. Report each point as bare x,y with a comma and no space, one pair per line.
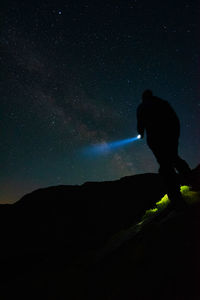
147,94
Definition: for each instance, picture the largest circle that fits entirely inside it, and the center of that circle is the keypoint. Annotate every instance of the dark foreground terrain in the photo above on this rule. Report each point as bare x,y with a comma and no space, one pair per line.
52,241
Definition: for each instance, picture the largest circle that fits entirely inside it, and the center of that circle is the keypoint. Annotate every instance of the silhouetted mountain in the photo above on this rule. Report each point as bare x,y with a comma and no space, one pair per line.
50,237
87,214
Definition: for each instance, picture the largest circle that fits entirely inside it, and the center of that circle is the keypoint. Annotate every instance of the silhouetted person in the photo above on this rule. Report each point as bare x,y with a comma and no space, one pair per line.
162,126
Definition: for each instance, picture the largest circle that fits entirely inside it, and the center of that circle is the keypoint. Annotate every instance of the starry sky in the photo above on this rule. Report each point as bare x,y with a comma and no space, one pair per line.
72,75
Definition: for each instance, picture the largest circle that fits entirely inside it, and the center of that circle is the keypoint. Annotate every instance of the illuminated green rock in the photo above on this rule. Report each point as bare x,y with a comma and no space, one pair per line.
189,196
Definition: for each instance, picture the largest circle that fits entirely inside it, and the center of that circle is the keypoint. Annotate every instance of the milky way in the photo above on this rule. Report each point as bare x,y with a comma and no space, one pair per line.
72,75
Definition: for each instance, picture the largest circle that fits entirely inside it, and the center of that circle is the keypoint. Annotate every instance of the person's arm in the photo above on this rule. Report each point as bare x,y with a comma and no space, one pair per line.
140,122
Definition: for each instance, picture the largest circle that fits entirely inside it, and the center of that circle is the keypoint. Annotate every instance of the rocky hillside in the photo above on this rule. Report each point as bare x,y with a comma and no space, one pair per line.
52,242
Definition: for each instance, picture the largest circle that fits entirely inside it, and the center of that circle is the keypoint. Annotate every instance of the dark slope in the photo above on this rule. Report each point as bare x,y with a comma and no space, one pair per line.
163,262
88,214
50,237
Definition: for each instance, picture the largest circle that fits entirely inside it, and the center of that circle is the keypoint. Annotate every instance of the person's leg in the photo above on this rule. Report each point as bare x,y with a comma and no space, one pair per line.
182,167
166,156
171,181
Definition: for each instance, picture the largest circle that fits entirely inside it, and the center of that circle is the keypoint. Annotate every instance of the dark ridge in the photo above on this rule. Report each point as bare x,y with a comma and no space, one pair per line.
49,236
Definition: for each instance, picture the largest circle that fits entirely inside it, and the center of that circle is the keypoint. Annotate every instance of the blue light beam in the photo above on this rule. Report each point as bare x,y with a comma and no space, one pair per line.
105,148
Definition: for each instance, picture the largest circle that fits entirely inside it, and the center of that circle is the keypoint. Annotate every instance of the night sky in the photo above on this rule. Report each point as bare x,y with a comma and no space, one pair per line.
72,75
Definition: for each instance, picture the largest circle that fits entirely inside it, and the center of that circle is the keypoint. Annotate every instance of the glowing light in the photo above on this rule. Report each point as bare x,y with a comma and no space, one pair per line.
104,147
139,136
